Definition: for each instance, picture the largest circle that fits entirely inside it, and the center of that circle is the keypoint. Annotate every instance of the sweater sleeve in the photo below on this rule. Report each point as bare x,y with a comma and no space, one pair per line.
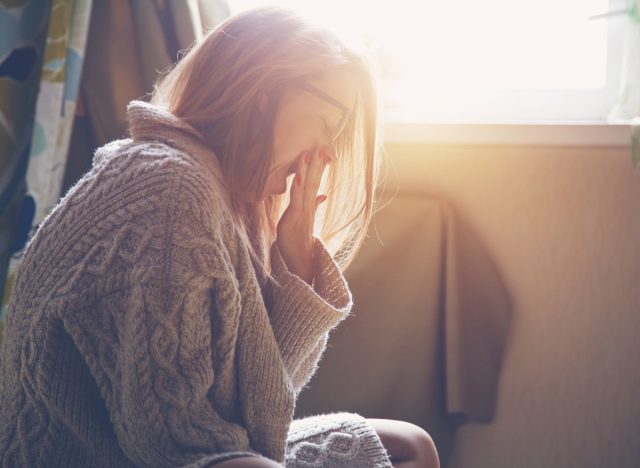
305,370
302,316
147,340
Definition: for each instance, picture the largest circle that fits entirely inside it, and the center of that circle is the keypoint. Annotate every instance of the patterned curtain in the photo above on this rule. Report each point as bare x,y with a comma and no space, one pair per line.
23,30
44,42
82,83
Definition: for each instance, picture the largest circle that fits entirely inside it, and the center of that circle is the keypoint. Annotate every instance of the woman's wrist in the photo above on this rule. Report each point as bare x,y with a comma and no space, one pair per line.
298,266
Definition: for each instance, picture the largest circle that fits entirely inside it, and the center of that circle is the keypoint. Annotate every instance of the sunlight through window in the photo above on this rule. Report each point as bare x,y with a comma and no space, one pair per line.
436,56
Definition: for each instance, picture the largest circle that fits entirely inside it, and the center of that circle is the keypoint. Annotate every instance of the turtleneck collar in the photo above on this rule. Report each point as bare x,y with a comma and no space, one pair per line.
150,122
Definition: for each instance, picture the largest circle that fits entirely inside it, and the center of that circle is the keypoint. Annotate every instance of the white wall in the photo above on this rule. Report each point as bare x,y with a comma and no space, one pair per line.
563,224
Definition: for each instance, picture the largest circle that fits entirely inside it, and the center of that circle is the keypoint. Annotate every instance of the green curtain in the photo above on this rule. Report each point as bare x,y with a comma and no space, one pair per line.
627,105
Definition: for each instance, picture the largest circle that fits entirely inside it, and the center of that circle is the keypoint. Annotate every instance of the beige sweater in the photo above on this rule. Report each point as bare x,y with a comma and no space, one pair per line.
139,332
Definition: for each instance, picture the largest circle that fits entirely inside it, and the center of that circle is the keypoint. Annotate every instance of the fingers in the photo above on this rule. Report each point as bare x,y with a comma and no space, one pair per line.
314,173
319,200
297,187
309,171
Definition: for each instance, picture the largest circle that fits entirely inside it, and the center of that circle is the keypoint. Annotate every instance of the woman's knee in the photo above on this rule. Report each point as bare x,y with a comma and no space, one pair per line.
426,447
248,462
406,441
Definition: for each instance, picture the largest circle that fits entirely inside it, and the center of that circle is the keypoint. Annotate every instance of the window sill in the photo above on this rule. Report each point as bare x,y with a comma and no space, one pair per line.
548,133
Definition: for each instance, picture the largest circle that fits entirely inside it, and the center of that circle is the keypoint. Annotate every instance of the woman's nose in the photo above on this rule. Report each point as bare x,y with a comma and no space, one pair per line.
329,153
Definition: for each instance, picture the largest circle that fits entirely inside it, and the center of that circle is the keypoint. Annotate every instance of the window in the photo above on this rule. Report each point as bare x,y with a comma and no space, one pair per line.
489,61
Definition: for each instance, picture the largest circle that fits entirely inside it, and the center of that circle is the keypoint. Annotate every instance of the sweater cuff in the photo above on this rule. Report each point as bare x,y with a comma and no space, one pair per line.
300,314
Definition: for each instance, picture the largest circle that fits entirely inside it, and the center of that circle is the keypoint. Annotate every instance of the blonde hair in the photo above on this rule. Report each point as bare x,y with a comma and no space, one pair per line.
216,88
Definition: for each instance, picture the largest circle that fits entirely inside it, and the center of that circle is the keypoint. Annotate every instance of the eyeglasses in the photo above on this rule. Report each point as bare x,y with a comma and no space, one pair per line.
325,97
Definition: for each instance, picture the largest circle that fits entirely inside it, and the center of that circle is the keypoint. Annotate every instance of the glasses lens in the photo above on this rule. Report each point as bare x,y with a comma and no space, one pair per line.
322,95
339,128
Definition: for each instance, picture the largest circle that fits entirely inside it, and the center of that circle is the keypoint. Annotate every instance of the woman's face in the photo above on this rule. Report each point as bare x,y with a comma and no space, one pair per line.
305,120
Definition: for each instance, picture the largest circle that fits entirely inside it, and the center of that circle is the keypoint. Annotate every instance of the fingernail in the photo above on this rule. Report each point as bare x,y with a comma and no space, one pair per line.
299,179
306,158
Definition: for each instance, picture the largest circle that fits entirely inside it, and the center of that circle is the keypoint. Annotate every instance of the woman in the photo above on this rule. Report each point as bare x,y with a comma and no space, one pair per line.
172,306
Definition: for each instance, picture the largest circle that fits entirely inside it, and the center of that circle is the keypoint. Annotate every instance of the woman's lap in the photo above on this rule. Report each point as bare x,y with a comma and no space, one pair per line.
247,462
402,440
406,441
338,438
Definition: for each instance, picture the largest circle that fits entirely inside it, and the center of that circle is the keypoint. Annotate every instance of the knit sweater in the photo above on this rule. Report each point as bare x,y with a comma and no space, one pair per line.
141,333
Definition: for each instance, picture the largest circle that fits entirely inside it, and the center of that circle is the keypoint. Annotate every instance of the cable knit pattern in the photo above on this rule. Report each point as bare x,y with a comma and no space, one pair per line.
334,439
139,332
